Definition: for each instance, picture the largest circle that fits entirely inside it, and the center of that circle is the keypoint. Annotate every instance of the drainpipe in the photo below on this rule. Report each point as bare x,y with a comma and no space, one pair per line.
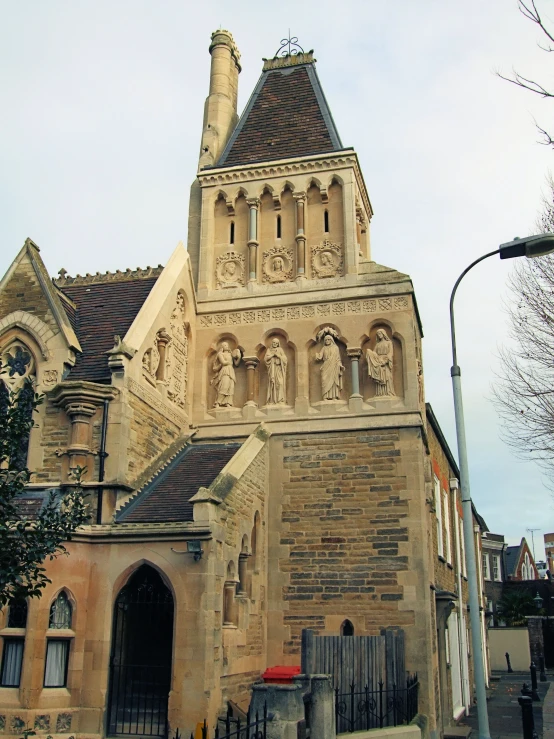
102,455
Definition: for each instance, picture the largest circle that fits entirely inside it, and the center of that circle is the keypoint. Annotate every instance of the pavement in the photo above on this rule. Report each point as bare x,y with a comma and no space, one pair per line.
505,711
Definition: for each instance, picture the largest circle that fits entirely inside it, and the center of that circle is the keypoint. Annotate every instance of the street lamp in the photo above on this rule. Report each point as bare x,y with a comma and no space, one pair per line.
532,246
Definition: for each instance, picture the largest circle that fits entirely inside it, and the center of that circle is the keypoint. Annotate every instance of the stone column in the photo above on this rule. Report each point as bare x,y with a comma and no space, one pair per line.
80,415
229,604
300,199
253,242
163,340
355,400
243,574
251,405
323,707
80,400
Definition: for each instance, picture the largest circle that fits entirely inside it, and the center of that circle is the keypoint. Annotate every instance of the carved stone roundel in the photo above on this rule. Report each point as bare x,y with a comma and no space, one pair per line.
277,264
327,259
229,270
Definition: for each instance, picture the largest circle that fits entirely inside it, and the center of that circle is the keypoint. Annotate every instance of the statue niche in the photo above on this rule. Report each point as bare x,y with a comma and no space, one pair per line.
330,379
383,375
277,382
224,378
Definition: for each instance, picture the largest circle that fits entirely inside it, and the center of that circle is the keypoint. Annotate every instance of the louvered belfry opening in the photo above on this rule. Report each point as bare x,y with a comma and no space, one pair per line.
141,656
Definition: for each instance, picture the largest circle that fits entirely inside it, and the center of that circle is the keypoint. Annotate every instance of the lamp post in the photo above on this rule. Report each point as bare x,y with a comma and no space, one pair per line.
532,246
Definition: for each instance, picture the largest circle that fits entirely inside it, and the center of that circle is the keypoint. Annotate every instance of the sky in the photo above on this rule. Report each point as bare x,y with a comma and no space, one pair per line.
100,124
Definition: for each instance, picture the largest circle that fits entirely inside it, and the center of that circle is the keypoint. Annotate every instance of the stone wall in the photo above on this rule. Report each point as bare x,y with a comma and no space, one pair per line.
344,513
151,434
23,292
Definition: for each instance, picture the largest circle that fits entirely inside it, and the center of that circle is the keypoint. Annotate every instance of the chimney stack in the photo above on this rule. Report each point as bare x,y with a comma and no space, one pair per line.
220,110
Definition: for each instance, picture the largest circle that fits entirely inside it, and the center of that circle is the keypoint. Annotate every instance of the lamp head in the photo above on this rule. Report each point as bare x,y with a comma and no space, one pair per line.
530,247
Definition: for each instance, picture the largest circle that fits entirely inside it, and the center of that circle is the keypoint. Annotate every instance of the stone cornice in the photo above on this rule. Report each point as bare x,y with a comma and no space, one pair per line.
286,167
79,391
131,532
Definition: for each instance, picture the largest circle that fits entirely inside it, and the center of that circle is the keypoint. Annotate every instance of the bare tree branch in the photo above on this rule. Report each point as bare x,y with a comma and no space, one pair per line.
529,10
524,388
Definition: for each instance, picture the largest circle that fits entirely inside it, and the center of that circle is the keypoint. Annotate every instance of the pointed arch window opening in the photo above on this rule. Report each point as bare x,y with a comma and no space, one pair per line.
326,221
278,227
347,628
60,613
232,233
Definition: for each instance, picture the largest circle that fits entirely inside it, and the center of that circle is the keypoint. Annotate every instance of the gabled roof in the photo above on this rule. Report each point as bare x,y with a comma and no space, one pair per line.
167,497
512,556
287,116
102,310
46,302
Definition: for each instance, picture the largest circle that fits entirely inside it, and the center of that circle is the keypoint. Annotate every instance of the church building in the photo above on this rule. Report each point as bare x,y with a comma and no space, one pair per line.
252,423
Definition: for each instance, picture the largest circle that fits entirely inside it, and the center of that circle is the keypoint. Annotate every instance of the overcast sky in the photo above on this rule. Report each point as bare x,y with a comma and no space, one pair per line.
100,123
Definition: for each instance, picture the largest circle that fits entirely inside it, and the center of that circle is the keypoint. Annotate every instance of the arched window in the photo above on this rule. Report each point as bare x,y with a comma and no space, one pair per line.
347,628
232,233
278,227
60,613
57,650
326,221
18,375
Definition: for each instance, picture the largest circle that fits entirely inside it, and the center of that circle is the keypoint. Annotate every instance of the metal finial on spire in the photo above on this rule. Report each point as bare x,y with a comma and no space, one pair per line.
289,47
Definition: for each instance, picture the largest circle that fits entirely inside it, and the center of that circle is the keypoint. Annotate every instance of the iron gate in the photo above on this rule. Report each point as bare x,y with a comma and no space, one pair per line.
140,662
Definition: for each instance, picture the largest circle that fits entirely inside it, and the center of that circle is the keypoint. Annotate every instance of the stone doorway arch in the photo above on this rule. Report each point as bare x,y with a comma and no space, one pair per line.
141,656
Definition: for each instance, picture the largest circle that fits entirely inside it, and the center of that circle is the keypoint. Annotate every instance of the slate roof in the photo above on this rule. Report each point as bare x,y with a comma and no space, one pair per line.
512,555
287,116
167,497
103,310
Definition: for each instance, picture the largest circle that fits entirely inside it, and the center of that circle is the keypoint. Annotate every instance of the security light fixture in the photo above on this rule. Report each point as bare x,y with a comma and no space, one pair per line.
194,547
538,601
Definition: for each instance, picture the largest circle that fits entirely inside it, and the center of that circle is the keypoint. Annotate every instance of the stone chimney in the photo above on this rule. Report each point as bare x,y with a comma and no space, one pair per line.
220,110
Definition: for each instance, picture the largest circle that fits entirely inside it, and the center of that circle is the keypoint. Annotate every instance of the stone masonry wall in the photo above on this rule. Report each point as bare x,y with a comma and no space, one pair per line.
343,518
23,292
55,435
150,435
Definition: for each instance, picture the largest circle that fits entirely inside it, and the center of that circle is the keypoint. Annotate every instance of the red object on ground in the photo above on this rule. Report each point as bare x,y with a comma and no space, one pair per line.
281,674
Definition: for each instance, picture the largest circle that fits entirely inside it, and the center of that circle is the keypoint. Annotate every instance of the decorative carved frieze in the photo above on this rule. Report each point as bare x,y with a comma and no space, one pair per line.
327,260
230,270
295,312
177,355
277,264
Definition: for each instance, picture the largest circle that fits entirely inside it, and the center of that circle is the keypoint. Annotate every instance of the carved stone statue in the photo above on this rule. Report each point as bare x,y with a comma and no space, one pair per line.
276,362
332,369
380,363
224,380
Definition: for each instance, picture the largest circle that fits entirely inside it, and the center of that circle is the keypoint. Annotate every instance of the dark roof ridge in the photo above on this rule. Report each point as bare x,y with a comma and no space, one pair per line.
64,280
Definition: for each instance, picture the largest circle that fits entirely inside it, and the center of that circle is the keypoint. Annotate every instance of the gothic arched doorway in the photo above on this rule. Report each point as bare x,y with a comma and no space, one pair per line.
140,660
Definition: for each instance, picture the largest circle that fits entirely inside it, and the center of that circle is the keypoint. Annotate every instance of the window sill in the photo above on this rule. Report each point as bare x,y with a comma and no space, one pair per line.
56,691
60,633
11,631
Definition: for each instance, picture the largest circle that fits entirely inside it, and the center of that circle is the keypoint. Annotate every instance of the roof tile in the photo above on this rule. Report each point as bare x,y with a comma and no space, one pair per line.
167,497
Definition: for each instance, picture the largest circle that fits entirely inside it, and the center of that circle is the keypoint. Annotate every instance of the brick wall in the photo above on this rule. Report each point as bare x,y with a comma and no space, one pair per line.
344,517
